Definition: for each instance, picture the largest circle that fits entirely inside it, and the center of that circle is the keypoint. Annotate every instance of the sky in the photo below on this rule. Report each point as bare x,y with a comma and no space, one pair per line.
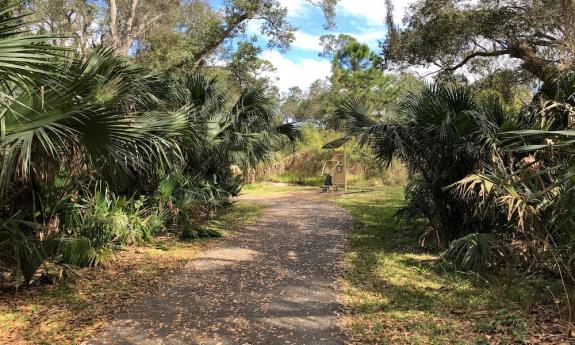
301,65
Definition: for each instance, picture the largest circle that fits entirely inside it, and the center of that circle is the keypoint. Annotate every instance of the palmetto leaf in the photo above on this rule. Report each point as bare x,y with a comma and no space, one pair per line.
337,143
23,58
289,130
99,108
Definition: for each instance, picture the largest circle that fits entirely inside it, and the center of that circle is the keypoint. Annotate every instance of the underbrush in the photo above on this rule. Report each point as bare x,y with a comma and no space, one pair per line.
302,164
74,227
401,293
393,176
71,309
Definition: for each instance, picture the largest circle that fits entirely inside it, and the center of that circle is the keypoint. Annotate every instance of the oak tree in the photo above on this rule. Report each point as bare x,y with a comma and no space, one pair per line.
450,34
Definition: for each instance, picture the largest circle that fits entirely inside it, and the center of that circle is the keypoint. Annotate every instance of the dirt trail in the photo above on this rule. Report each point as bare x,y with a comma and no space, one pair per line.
272,283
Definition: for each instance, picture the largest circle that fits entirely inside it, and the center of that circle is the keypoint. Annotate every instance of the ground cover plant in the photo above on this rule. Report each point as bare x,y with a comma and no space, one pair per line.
400,293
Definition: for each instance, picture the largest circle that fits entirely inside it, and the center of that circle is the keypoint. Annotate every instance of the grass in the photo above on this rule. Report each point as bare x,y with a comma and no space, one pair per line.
297,179
399,293
69,311
272,188
392,176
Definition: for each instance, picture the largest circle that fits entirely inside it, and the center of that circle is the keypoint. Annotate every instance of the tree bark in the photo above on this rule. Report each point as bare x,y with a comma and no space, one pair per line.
113,8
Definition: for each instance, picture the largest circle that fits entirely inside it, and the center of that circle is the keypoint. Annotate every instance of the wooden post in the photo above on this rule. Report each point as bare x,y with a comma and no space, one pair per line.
344,167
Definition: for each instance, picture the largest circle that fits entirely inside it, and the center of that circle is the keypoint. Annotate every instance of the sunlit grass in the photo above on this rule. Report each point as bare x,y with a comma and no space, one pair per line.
298,179
272,188
400,293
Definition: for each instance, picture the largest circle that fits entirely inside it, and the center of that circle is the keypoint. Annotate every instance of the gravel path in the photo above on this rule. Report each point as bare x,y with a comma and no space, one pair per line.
274,282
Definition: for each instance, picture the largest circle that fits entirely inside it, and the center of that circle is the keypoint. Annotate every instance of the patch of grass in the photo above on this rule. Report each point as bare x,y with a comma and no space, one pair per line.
273,188
234,216
298,179
400,293
68,312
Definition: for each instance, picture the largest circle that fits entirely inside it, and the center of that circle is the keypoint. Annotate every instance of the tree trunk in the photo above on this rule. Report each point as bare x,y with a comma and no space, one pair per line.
113,23
122,36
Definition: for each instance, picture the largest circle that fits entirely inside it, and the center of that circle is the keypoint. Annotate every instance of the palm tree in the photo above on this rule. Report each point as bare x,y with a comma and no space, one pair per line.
536,187
441,134
241,131
83,136
71,115
98,114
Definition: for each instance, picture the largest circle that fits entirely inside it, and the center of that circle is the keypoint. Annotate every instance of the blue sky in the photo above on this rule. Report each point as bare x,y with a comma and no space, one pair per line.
301,65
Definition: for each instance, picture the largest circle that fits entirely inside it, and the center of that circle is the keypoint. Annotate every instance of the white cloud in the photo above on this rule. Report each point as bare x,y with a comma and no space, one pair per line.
310,42
373,10
368,36
306,41
370,16
371,38
295,7
290,73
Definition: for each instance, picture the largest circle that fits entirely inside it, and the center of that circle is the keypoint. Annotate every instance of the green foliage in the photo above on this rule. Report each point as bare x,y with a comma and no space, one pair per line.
450,34
246,66
299,179
303,163
332,44
97,152
532,179
98,113
492,181
478,252
440,135
356,73
105,218
203,28
17,249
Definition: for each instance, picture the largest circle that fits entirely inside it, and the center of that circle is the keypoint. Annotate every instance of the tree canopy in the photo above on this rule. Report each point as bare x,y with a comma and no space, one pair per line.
181,33
450,34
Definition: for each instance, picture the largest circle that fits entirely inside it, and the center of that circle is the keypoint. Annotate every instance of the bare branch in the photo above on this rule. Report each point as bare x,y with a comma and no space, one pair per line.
144,25
475,55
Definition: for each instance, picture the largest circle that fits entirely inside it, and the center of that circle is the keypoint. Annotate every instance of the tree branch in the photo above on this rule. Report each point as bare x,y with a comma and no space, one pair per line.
145,24
199,56
532,63
473,56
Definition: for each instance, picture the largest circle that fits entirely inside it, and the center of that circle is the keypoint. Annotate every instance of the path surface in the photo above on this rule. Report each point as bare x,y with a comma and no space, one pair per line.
272,283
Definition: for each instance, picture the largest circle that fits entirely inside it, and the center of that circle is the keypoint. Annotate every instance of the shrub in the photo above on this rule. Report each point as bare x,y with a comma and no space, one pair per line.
478,252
